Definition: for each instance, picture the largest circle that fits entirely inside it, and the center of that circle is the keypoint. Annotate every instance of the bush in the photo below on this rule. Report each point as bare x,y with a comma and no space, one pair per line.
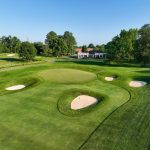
27,51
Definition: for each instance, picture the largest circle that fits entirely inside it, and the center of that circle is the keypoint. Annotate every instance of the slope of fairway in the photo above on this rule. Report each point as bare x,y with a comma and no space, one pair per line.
30,118
67,76
128,128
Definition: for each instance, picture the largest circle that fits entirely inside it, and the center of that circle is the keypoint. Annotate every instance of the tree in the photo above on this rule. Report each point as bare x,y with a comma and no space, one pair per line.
91,45
47,51
84,48
70,41
100,48
142,51
56,43
61,47
27,51
39,47
122,46
51,39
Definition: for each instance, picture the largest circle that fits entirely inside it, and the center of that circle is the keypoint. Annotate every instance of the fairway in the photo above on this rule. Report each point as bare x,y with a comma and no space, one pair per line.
39,116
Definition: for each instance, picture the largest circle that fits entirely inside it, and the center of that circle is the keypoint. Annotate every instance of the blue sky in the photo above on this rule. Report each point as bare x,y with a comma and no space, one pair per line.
91,21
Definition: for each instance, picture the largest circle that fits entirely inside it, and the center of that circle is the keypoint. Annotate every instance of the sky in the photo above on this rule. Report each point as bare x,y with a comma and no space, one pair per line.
90,21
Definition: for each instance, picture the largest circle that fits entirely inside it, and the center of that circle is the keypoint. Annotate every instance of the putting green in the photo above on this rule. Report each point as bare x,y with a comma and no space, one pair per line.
67,76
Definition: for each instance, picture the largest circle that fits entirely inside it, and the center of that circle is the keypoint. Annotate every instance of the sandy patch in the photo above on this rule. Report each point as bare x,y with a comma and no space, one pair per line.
109,78
16,87
83,101
137,83
10,55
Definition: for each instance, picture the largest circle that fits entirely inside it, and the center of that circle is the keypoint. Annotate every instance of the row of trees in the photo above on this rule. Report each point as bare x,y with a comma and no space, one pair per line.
9,44
55,45
99,48
129,45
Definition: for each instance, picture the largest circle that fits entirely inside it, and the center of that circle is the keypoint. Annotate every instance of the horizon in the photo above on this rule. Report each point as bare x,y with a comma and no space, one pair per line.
94,21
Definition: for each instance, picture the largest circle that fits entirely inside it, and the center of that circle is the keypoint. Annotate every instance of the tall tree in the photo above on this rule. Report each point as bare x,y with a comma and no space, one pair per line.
142,51
70,41
51,39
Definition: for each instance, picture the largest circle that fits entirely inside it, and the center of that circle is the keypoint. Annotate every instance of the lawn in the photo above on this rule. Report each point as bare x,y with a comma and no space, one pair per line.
39,117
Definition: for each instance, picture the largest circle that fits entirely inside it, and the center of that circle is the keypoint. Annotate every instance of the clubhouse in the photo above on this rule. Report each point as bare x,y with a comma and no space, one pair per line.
91,53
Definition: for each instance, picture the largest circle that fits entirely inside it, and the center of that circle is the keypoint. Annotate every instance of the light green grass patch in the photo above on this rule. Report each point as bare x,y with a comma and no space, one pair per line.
67,76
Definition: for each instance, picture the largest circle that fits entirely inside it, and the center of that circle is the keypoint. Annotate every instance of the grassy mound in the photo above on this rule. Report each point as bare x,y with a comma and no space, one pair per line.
67,76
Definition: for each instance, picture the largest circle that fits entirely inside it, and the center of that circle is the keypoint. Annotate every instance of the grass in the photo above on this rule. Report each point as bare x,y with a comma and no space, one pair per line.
67,76
39,117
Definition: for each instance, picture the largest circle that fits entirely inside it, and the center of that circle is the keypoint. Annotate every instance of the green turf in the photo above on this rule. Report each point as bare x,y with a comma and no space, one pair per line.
39,117
67,76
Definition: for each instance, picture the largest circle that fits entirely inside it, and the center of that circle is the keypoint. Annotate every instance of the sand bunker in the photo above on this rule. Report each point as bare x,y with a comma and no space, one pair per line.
10,55
83,101
16,87
109,78
137,83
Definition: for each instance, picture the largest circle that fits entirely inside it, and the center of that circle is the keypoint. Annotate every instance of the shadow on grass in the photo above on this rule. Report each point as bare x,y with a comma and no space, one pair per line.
11,59
100,63
143,71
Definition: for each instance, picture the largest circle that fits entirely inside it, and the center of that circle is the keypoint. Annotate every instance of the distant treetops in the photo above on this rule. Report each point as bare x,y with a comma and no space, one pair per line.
133,44
129,45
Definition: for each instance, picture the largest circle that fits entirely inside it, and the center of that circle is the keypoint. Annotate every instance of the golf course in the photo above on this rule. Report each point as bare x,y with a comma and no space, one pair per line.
38,116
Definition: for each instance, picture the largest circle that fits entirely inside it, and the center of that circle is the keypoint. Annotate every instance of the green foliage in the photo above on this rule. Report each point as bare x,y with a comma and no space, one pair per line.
91,45
100,48
9,44
60,45
48,51
27,51
40,47
70,41
84,48
122,47
142,51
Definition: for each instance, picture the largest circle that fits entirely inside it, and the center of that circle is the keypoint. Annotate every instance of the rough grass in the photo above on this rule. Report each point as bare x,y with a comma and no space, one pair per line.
30,119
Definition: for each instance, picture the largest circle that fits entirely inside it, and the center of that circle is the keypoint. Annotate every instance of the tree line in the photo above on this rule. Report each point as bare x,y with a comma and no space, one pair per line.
132,44
55,45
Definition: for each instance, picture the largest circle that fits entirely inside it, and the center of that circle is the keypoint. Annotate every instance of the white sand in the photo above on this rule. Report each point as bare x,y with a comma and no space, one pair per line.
10,55
109,78
137,83
16,87
83,101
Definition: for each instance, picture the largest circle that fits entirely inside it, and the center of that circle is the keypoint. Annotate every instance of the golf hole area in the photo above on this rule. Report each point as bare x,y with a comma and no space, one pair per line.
76,102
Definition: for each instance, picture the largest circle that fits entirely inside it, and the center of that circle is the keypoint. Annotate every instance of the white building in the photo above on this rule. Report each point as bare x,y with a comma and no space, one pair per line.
92,55
83,55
